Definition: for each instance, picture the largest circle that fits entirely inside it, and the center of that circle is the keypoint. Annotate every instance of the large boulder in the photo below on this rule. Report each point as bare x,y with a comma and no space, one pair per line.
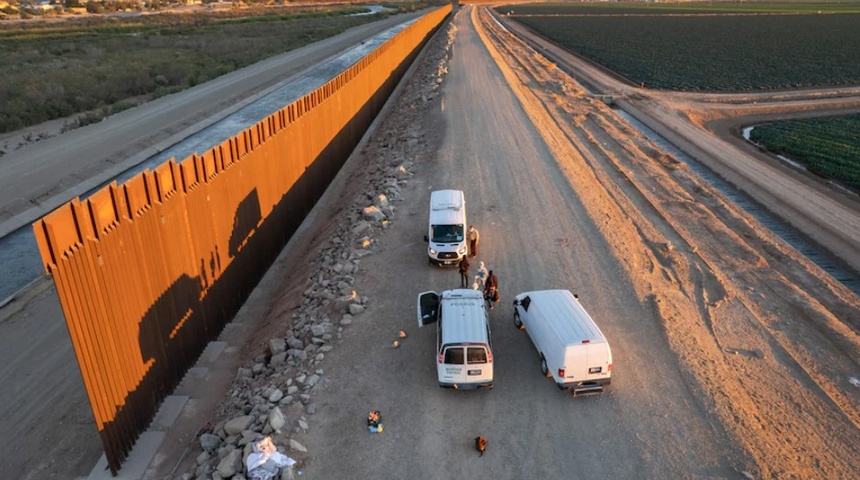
231,464
238,424
277,345
373,213
210,442
277,419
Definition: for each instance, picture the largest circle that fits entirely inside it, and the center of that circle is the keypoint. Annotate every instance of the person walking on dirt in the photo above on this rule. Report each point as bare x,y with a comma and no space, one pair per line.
464,271
474,236
491,289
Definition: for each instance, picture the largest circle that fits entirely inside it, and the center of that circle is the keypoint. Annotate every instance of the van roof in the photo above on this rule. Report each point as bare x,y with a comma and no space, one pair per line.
447,200
462,311
555,305
447,217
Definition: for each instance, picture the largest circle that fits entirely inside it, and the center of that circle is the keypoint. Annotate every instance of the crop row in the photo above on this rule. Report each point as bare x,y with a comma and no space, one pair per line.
717,53
828,146
56,70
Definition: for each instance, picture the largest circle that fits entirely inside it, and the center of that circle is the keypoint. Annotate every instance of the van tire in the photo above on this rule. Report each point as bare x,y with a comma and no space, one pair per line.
543,368
517,321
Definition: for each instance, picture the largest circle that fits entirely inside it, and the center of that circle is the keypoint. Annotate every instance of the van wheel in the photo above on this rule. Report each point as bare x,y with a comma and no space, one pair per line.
518,322
543,367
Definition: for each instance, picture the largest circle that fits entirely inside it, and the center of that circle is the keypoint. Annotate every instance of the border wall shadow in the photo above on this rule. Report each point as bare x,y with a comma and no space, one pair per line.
194,310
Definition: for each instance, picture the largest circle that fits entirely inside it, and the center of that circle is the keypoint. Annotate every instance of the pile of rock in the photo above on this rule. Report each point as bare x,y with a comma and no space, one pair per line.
273,395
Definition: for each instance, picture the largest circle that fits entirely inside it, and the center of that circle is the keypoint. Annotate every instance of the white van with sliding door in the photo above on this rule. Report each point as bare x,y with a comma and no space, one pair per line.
464,346
572,349
446,230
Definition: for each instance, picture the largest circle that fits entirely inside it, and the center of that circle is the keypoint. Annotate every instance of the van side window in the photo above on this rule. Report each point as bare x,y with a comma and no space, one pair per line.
525,303
476,355
454,356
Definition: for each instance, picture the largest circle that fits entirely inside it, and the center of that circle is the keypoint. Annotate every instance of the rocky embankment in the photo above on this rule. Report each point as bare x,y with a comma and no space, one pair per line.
274,394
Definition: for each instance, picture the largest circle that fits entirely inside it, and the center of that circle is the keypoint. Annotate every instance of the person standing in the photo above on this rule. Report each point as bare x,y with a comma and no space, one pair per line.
480,277
491,289
474,236
464,271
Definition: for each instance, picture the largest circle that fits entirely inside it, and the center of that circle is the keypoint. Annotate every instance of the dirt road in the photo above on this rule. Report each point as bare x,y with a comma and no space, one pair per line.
536,234
734,356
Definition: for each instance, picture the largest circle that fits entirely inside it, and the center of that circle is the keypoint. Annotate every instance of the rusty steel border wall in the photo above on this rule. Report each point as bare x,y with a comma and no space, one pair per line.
148,272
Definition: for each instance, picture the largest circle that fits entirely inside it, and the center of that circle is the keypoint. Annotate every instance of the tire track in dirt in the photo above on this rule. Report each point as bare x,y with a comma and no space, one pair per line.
720,284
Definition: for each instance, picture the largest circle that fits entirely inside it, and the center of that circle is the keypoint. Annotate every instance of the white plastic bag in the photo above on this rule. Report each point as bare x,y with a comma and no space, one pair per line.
265,462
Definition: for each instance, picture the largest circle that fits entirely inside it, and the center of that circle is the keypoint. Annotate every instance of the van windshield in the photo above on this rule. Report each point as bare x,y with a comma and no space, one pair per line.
447,233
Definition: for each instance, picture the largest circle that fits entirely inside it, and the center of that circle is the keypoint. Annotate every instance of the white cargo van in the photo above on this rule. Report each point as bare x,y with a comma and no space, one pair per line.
446,231
572,349
464,346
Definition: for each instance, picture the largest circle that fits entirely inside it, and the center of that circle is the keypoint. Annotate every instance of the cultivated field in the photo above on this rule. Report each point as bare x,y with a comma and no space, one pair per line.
826,146
101,65
729,49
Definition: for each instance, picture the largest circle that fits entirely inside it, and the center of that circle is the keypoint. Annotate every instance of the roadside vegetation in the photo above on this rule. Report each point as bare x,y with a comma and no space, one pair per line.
827,147
709,47
93,66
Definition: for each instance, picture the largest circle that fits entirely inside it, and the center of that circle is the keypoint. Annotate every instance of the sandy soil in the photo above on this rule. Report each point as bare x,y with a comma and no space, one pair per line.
770,340
706,126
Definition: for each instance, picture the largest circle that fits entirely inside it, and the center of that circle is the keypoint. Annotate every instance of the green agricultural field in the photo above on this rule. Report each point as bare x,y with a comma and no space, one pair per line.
828,147
725,48
100,65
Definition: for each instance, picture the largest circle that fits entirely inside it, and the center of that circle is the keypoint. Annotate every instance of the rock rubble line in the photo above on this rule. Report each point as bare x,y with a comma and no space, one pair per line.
273,395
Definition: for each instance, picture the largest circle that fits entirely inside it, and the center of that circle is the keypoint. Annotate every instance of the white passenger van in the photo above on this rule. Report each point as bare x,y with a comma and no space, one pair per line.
446,231
464,347
572,349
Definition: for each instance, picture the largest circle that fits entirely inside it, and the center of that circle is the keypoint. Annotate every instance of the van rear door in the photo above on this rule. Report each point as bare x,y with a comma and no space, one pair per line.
428,308
452,368
599,361
465,365
575,364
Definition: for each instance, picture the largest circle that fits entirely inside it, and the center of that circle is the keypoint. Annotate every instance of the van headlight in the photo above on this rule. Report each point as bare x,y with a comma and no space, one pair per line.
432,252
462,251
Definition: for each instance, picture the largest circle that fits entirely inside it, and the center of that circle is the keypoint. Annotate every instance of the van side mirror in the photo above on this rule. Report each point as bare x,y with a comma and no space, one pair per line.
426,239
576,296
